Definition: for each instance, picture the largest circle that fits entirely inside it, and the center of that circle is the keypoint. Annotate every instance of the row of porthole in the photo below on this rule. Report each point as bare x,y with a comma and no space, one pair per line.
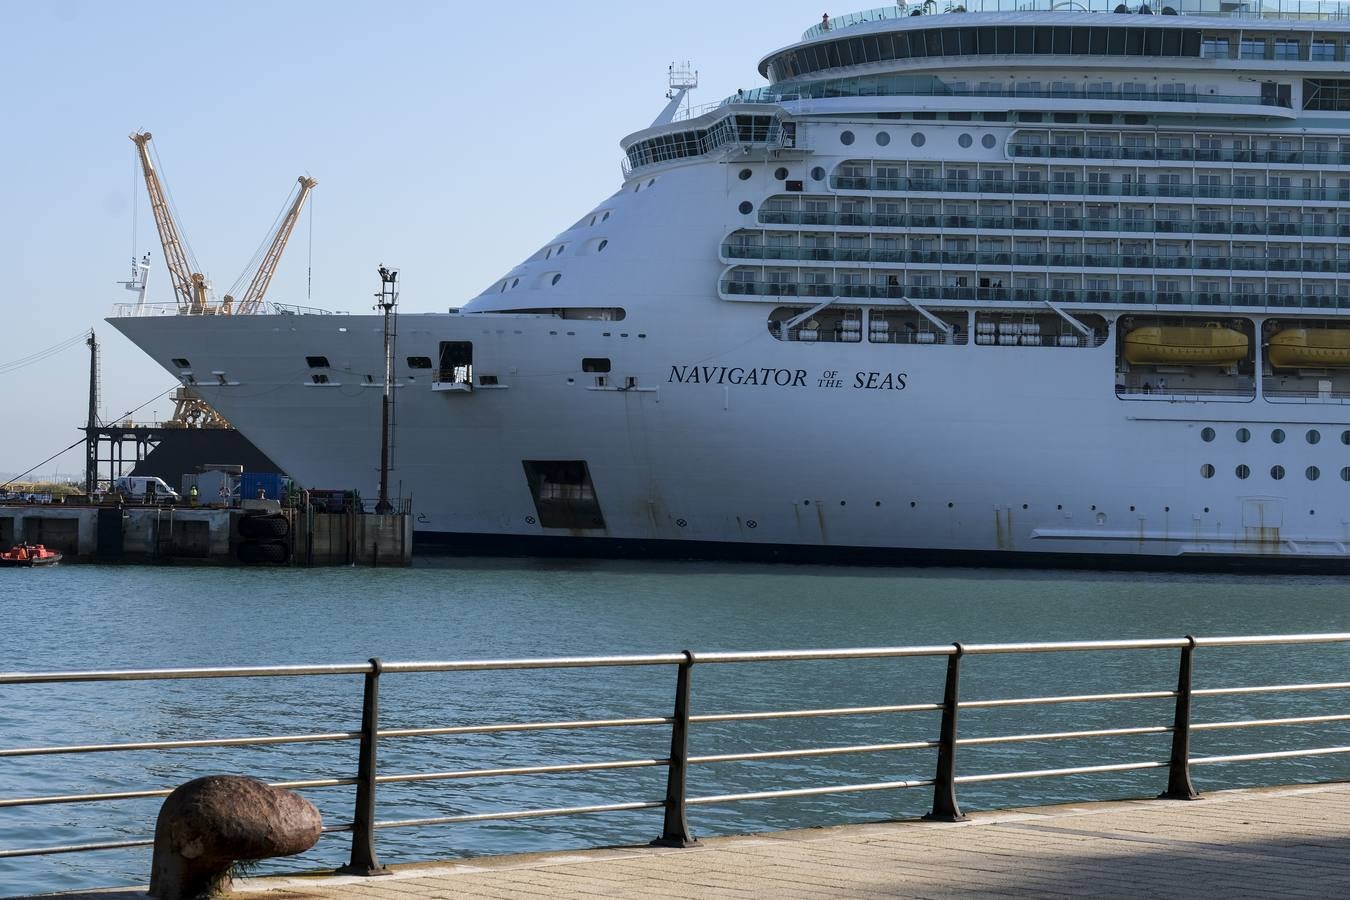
1243,472
918,139
1277,435
599,248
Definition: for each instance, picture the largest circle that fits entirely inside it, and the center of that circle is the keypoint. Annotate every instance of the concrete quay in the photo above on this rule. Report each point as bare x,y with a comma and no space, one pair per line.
1267,842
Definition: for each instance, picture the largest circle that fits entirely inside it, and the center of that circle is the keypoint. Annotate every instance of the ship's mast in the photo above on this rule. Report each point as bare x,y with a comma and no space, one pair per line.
386,301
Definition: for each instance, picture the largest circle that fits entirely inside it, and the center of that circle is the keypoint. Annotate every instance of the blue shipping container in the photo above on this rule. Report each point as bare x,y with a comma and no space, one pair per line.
250,482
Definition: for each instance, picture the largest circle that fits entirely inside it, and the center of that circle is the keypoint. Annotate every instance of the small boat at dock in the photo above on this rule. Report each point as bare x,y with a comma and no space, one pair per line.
28,556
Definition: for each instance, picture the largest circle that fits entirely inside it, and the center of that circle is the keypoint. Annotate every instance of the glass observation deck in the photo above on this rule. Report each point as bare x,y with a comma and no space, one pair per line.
1296,10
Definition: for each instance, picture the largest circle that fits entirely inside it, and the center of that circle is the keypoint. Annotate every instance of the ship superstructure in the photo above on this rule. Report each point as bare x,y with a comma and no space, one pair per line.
1062,284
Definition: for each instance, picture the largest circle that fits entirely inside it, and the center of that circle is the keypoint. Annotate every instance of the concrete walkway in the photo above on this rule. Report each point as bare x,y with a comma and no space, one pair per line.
1277,842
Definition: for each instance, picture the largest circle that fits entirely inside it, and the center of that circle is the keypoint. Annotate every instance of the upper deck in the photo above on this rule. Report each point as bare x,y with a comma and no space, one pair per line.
1302,11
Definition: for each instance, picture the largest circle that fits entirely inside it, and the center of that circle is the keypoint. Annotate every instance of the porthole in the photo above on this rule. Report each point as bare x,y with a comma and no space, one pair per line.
818,174
652,182
966,140
561,248
1277,436
917,139
556,278
1345,474
1242,472
1345,437
605,217
1207,435
1313,473
883,138
515,282
780,173
745,174
1243,435
1313,436
989,141
1206,471
846,138
745,207
1277,472
599,248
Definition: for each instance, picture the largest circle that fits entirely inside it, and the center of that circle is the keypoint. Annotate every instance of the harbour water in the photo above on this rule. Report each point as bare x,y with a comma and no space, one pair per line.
79,617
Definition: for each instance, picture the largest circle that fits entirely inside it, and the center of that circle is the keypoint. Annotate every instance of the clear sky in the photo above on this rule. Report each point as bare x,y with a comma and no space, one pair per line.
449,140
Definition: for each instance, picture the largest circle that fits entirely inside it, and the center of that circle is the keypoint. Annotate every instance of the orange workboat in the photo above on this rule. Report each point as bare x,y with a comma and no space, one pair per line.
29,555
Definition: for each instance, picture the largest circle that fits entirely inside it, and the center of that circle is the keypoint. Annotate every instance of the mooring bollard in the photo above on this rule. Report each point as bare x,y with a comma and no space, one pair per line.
208,824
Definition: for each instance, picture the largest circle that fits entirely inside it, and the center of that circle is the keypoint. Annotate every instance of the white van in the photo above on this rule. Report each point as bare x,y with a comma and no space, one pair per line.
144,487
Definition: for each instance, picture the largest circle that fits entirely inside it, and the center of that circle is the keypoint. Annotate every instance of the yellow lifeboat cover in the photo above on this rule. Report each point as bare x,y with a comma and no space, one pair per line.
1185,345
1310,348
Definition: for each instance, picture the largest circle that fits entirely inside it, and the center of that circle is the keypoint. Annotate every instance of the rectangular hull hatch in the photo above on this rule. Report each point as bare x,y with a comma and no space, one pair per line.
564,496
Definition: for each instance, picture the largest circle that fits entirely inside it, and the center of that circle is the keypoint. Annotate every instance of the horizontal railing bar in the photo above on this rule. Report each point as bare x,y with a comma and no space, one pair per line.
810,713
177,745
563,662
1274,754
1069,646
1250,640
1271,688
807,655
173,674
1048,773
810,792
74,848
521,770
557,662
521,726
1068,698
813,751
1064,735
1259,723
154,792
520,814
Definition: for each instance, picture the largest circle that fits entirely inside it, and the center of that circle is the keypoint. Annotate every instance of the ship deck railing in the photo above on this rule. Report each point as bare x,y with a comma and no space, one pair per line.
1105,297
268,307
1178,227
1297,10
1182,190
936,768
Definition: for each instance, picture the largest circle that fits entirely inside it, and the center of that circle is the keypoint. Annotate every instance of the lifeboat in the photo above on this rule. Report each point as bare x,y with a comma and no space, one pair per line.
1310,348
29,555
1185,345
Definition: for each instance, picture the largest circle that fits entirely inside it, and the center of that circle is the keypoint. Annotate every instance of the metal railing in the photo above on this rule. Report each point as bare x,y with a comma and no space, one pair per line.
679,763
142,310
1075,188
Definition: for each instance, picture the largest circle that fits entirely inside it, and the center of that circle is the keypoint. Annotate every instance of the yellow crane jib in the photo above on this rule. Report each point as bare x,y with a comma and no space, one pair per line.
251,300
189,287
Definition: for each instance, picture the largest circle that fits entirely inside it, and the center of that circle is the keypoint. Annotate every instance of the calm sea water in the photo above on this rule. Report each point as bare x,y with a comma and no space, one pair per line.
77,617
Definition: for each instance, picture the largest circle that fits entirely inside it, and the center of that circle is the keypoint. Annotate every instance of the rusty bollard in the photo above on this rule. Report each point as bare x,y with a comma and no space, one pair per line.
208,824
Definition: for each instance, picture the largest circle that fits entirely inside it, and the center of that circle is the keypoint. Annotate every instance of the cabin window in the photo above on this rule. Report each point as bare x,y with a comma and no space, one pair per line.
317,362
488,380
563,493
595,364
181,363
419,362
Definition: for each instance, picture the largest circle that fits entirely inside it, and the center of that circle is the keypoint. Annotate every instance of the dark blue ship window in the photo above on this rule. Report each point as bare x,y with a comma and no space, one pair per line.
182,363
317,362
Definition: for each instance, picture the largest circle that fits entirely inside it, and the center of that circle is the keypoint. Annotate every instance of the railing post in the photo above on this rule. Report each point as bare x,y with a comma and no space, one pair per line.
675,831
1179,785
945,808
363,859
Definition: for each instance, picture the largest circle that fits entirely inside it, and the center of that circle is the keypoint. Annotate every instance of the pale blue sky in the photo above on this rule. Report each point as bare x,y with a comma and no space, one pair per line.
449,140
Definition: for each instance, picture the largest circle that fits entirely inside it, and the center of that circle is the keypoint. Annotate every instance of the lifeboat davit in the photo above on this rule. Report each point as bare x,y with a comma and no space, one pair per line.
1185,345
1310,348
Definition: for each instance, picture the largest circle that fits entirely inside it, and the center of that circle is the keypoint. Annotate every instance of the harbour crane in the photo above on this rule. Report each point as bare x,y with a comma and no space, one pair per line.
190,287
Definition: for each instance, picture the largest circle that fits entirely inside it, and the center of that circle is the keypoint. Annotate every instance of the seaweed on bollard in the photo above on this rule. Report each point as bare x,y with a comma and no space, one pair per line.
208,824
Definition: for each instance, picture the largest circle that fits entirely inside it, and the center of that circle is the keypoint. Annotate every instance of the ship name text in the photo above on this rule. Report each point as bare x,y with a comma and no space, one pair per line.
769,376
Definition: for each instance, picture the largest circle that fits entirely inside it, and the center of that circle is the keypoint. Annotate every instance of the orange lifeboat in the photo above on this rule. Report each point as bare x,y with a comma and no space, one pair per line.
29,555
1185,345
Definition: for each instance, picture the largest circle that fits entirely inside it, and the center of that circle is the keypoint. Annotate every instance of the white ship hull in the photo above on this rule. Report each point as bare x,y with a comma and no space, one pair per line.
717,429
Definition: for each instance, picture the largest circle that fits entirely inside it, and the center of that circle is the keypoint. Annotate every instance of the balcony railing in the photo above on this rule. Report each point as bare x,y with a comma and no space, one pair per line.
1180,154
1068,222
1112,297
1183,261
1088,188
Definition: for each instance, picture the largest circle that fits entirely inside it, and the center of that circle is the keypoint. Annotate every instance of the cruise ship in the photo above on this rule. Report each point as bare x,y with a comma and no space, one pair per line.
1041,282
